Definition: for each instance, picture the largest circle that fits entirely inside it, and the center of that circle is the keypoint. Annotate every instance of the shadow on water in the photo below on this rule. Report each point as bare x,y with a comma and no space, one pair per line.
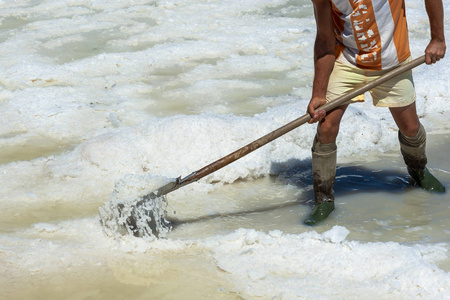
350,179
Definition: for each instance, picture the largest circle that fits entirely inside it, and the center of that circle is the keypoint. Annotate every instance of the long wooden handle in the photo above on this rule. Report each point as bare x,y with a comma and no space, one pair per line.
220,163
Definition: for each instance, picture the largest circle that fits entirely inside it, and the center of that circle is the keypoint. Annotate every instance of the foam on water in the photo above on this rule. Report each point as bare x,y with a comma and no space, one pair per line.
135,208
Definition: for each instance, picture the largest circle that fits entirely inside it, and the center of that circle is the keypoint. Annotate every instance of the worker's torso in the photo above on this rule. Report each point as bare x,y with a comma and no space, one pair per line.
371,34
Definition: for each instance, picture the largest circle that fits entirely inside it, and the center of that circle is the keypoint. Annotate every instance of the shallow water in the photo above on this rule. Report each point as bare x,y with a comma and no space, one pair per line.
376,201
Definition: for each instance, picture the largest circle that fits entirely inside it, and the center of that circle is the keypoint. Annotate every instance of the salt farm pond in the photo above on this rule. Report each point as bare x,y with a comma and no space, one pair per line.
99,93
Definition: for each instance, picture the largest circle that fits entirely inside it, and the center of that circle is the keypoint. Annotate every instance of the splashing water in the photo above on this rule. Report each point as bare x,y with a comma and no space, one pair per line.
134,209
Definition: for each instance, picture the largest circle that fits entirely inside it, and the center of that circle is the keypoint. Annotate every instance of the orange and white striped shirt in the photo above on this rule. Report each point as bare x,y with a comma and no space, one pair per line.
371,34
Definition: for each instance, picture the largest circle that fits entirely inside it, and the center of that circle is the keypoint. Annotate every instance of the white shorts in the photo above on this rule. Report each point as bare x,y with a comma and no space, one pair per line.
397,92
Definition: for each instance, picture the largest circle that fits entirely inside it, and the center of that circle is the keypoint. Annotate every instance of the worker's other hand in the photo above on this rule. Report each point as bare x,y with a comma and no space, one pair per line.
316,115
435,51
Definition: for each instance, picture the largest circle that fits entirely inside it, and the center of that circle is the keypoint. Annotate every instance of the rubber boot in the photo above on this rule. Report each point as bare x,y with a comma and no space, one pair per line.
413,151
324,173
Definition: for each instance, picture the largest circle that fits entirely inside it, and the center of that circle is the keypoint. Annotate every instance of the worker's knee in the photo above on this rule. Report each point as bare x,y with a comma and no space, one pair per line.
411,130
327,132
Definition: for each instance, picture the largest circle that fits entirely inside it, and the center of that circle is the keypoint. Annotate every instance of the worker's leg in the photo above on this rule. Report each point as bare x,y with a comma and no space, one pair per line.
324,152
412,137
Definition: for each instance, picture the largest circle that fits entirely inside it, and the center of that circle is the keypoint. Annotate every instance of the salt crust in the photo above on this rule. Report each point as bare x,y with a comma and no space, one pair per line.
268,265
275,266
